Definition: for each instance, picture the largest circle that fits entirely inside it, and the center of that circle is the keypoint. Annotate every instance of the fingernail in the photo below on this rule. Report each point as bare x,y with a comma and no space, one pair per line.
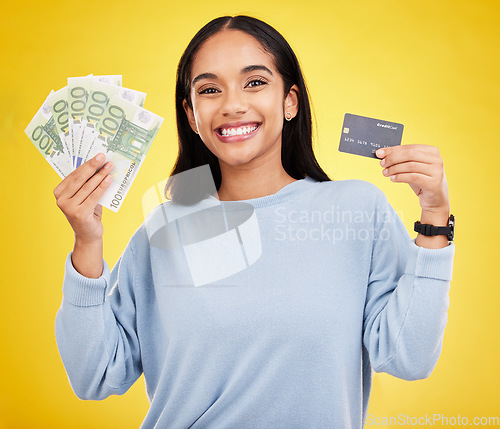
108,179
393,177
384,172
379,152
99,157
108,165
382,163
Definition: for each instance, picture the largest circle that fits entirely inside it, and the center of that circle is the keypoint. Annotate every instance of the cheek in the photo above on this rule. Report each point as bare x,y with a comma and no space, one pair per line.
274,113
204,114
275,103
201,116
269,108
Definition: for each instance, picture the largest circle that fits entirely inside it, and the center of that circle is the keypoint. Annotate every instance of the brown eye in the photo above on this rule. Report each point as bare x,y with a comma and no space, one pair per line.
205,91
259,81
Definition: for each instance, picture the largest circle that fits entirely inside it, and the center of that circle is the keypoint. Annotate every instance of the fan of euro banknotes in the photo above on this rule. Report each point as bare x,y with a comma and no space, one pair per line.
91,115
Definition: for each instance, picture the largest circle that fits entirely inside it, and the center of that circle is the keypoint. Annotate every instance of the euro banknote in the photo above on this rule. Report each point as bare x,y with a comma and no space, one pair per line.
58,103
77,100
91,115
98,99
43,133
124,134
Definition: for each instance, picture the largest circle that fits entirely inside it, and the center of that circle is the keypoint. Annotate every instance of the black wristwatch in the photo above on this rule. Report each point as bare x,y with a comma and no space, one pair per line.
426,229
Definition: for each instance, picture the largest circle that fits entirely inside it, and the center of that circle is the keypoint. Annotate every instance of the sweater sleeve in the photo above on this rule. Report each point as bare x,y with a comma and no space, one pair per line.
407,299
95,330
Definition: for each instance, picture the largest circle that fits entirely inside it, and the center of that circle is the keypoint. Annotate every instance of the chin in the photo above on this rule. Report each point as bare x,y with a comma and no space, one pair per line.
236,161
238,156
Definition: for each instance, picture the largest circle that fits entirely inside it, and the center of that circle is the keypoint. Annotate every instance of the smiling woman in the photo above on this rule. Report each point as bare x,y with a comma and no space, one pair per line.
270,306
247,111
235,105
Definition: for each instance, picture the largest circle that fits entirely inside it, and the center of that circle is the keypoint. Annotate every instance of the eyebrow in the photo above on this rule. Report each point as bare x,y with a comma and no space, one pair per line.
244,70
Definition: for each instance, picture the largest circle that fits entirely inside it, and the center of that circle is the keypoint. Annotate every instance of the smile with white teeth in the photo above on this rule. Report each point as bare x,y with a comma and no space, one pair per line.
238,131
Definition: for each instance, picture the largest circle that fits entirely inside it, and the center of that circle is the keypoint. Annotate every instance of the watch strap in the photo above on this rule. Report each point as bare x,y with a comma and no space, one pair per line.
431,230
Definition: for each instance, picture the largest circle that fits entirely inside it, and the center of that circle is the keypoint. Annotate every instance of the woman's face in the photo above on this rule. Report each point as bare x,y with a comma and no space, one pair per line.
238,100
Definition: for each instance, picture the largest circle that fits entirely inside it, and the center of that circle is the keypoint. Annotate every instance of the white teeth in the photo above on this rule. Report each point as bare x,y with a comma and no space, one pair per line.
237,131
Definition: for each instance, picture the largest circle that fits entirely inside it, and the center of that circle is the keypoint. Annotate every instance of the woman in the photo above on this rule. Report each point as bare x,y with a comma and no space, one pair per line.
332,287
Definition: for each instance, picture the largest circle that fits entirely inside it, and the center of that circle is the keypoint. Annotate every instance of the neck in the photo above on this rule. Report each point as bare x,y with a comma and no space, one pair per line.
244,184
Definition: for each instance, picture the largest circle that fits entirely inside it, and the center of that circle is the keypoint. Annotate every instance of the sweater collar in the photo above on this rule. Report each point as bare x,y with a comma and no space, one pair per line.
284,194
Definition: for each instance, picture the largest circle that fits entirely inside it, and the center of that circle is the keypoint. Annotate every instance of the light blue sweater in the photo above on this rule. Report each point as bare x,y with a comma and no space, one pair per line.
331,285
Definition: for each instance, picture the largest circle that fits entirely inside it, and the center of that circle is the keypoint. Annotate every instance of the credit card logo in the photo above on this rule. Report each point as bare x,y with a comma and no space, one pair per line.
386,126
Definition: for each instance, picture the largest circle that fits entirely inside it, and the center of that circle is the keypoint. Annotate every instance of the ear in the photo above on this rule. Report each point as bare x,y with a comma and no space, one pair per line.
190,116
292,101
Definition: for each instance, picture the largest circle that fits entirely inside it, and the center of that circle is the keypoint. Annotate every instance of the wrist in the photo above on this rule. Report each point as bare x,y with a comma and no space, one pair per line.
87,257
88,242
435,217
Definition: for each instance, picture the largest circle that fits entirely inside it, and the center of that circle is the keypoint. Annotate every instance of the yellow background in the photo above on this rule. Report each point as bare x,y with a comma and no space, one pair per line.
433,66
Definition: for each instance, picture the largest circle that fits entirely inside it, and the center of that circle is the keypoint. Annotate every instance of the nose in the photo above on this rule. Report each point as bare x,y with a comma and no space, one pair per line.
233,102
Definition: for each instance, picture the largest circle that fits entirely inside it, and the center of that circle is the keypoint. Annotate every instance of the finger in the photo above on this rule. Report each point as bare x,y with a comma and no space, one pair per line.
94,197
418,180
91,184
382,152
421,153
411,167
68,182
75,180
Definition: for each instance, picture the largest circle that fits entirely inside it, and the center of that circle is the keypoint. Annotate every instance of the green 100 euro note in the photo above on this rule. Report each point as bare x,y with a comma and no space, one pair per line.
94,108
99,96
78,88
42,131
124,134
58,103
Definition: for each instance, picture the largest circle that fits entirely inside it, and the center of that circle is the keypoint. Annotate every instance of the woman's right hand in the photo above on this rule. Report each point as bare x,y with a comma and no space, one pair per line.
77,196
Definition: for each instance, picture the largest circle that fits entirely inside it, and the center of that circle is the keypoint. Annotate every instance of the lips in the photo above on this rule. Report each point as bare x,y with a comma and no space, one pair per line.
230,138
236,125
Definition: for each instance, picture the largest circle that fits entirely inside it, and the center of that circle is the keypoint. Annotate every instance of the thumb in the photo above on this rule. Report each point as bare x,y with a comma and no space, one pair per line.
98,211
416,189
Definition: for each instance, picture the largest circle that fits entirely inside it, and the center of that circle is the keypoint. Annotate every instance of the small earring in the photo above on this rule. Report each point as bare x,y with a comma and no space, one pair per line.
196,131
288,116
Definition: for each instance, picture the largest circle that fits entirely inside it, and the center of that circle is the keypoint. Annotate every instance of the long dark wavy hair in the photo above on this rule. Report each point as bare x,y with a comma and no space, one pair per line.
297,154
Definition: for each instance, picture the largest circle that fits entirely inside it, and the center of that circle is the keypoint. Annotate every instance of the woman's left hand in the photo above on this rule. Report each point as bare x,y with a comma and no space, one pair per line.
422,168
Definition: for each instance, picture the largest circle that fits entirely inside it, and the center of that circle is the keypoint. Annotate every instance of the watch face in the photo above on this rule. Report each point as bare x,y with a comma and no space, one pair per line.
451,224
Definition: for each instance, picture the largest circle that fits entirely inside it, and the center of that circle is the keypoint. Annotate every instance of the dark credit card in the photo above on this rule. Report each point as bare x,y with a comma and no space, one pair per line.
363,136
